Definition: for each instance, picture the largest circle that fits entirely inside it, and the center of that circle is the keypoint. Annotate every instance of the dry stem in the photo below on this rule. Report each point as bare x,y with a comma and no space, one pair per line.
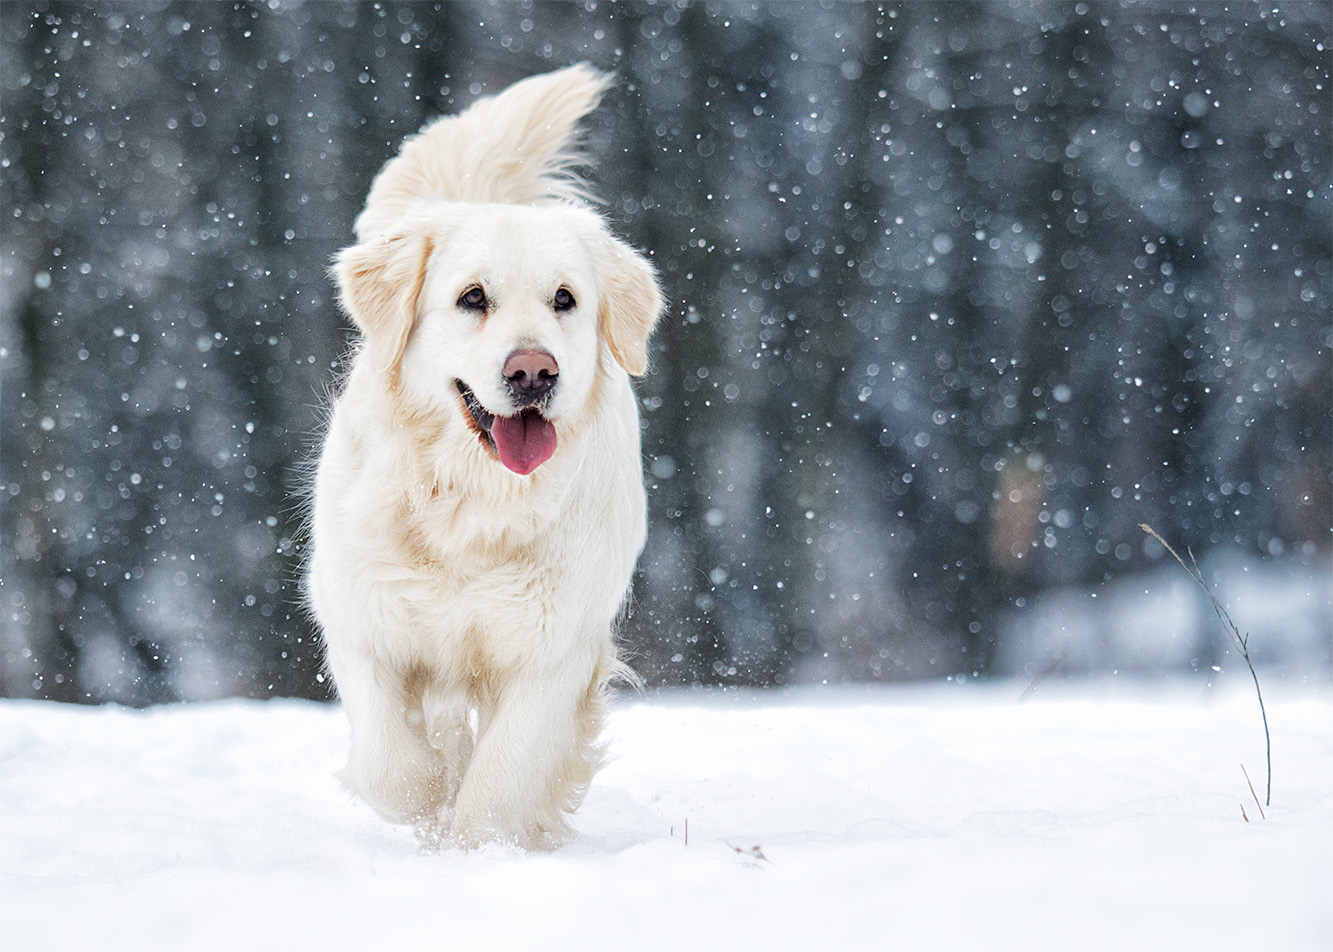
1253,794
1242,641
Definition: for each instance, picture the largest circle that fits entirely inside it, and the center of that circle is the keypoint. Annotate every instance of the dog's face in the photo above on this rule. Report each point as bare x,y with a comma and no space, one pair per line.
498,314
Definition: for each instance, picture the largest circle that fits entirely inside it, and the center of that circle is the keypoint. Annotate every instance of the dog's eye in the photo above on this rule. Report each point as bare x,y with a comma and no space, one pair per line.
473,299
564,300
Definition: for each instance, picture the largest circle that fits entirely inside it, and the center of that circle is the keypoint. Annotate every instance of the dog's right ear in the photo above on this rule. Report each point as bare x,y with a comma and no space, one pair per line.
379,282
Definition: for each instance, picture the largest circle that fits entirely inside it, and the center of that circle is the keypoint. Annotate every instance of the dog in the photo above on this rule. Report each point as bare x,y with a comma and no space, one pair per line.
478,503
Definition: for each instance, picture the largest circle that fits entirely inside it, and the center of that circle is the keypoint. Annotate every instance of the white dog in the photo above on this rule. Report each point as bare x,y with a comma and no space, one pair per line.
479,504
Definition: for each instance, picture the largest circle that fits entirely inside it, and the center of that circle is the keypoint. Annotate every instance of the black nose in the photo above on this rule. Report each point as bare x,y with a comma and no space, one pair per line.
530,374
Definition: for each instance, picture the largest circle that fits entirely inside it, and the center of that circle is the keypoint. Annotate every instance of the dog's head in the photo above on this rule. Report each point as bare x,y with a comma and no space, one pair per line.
500,313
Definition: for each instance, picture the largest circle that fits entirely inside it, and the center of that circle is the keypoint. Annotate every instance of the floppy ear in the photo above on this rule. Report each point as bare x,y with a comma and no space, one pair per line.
630,304
379,282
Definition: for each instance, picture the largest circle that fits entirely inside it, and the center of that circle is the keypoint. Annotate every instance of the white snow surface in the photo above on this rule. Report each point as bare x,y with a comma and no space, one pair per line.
949,816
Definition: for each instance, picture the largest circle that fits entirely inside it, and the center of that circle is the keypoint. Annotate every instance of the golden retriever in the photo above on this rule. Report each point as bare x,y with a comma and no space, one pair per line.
478,506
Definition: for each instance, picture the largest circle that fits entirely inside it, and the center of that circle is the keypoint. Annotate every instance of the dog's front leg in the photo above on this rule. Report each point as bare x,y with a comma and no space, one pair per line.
391,765
533,760
445,706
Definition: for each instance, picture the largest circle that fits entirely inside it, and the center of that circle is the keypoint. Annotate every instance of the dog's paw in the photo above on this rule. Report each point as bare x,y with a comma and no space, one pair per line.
469,833
432,836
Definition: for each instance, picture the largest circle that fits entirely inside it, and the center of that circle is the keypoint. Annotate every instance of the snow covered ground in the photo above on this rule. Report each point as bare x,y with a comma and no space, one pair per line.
1106,816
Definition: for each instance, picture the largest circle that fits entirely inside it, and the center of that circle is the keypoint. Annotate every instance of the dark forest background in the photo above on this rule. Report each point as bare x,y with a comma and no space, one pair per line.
960,294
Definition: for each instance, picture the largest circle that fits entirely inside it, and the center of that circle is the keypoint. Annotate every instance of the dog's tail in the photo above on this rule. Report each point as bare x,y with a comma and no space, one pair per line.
520,147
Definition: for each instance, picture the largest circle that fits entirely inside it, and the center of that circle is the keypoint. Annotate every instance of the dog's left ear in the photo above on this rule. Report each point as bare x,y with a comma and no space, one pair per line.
630,304
379,282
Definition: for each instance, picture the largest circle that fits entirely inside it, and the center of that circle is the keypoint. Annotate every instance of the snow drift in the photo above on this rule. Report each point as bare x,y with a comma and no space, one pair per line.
949,816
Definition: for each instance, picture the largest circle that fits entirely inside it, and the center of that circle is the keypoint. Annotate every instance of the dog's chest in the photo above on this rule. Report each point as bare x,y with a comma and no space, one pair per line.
463,532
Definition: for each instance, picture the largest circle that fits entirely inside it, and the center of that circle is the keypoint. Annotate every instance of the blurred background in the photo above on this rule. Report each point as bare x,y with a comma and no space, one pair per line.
960,295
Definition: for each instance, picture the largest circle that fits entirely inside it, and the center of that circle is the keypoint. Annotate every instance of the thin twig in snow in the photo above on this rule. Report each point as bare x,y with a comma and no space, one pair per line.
1242,641
1050,669
687,831
754,854
1253,794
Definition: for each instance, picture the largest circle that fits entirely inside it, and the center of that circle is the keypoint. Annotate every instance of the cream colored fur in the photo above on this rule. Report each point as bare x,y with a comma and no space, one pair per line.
467,611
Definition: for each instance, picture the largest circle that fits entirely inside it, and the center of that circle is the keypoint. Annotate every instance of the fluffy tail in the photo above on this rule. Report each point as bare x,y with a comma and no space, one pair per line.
519,147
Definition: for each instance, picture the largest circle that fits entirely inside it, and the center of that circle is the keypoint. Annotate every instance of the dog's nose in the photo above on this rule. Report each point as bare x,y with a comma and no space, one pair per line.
530,373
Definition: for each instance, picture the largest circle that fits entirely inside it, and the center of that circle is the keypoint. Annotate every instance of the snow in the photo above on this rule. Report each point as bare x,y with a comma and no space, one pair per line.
1105,815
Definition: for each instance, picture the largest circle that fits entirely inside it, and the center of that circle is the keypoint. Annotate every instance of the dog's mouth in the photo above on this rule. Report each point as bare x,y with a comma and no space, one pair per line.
521,442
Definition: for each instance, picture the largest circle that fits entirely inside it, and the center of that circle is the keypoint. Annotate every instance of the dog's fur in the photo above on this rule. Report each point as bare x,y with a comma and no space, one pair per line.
468,611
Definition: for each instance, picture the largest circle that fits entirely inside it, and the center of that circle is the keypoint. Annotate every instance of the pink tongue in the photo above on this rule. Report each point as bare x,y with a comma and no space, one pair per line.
524,442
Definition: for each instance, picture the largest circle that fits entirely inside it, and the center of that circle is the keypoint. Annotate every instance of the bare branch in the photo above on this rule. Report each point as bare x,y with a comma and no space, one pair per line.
1242,642
1252,793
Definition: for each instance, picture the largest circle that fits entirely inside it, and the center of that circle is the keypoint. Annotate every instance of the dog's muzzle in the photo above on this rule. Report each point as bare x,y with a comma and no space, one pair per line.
521,442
